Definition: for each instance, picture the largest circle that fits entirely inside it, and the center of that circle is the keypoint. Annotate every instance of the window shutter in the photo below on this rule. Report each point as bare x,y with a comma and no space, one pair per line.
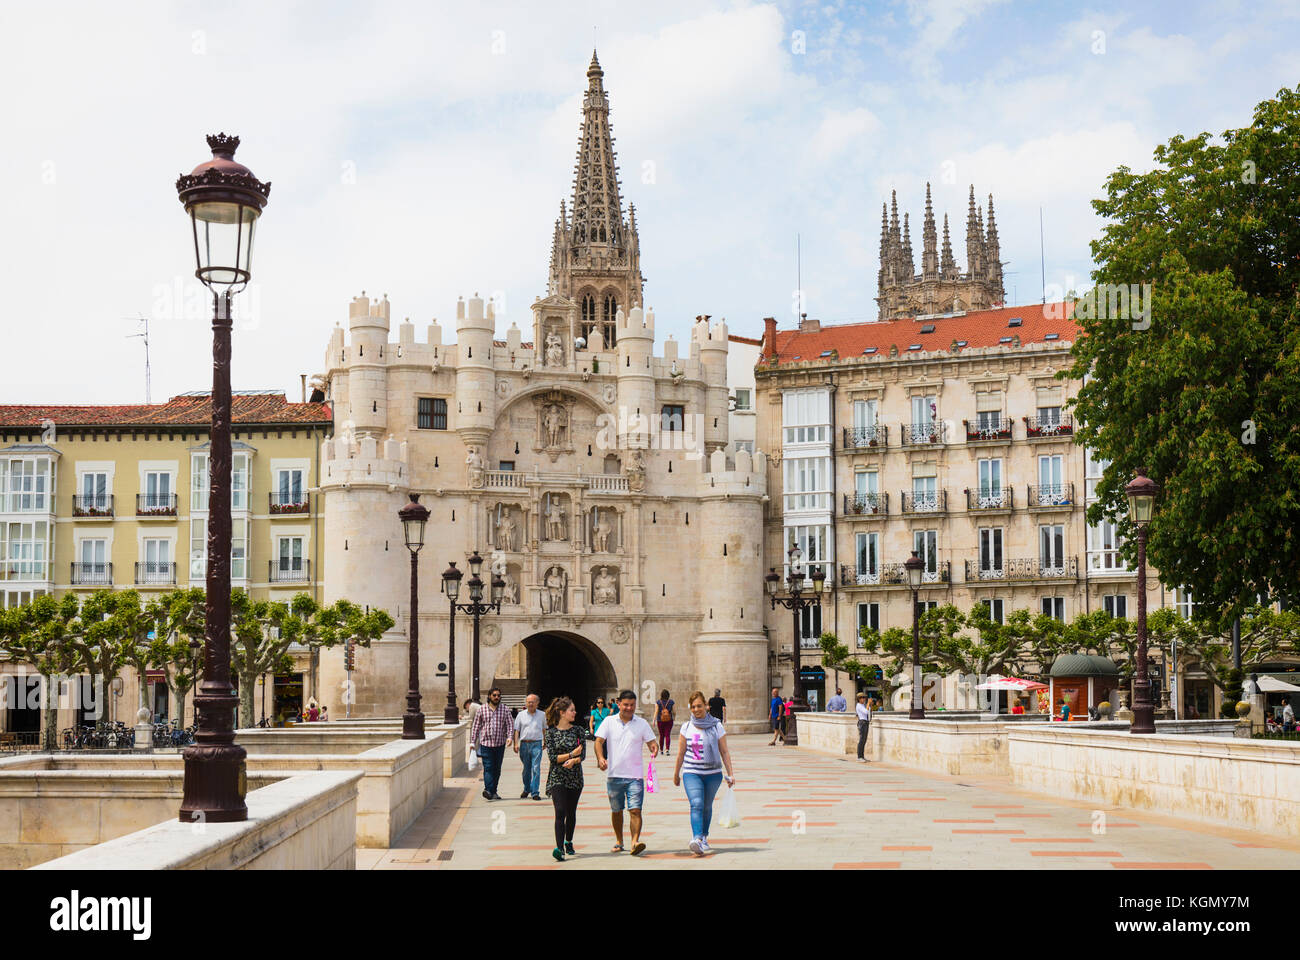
988,401
1050,396
925,469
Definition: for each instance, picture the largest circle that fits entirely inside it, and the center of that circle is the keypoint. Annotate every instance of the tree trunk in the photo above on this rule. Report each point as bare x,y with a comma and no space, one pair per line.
246,684
51,727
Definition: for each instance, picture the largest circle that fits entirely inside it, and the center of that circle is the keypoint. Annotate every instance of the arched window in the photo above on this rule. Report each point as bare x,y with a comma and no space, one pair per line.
588,317
608,320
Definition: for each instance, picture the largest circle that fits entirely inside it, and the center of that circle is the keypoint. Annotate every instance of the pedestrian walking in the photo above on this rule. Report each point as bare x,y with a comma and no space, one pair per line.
489,733
787,711
702,751
564,748
864,725
837,703
598,713
665,717
776,711
530,724
718,706
624,734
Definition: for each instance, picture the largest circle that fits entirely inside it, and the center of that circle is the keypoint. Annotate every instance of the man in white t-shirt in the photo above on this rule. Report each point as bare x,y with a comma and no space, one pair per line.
624,734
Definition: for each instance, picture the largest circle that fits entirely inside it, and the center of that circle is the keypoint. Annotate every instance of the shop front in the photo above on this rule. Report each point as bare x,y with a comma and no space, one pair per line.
287,697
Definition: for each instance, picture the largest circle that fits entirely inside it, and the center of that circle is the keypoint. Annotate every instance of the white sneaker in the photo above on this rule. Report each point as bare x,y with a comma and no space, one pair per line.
704,845
697,847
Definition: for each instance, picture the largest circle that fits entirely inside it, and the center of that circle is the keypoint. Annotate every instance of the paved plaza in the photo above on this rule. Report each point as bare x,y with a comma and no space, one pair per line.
808,810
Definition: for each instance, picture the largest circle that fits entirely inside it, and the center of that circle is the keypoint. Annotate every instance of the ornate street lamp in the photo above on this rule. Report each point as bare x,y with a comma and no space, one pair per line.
414,515
476,608
1141,506
224,201
451,589
915,567
795,602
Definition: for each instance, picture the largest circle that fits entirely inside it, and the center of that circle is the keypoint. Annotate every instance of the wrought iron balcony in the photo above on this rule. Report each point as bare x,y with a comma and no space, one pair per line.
153,573
1024,568
289,571
922,434
92,574
94,505
282,503
936,502
857,438
866,504
891,575
1050,495
996,429
986,499
1049,428
155,504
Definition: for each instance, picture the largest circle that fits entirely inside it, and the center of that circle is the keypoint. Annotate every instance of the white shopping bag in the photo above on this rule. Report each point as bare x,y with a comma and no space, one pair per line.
730,815
473,759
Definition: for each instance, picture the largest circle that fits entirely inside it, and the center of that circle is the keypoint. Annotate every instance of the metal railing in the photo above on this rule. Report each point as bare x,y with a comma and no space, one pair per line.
155,504
985,499
294,571
86,574
1039,428
936,502
866,503
95,505
891,575
1050,495
1024,568
916,434
16,741
156,573
999,429
282,503
856,438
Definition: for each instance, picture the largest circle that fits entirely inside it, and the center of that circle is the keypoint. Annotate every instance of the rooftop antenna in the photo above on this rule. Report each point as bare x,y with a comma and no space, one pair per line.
148,373
1042,254
798,240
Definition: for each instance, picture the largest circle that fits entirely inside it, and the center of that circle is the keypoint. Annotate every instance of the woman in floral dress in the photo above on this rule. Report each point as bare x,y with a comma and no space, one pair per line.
563,743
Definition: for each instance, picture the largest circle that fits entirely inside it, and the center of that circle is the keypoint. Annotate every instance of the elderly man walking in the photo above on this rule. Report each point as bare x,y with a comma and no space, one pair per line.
625,784
530,725
489,733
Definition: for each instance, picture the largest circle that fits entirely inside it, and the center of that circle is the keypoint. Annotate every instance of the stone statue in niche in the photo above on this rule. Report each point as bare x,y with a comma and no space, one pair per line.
556,527
604,588
553,420
506,528
600,531
511,593
474,461
554,350
554,582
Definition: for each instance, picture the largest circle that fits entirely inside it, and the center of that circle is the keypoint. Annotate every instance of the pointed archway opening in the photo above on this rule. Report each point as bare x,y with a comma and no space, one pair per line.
557,664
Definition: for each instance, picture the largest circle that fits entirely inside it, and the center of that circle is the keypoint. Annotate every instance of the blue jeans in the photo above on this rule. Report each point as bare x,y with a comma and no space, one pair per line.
491,757
701,788
624,791
530,753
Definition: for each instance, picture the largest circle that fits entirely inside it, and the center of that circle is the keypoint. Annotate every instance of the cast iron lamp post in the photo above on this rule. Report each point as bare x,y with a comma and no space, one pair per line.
414,516
223,200
915,567
795,602
451,588
1141,505
476,608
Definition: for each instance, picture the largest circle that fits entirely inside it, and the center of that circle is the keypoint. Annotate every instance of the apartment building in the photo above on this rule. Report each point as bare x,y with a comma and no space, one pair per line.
93,497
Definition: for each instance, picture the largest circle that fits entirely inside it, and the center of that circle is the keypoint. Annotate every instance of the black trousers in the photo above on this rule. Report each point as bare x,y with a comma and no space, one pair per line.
863,726
565,801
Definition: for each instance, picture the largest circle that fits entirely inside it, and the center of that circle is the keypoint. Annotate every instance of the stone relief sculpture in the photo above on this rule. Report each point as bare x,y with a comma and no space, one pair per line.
619,633
553,597
604,587
636,472
491,634
474,460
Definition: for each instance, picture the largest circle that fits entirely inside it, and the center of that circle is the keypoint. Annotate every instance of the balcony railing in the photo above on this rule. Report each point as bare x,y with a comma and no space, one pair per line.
936,502
282,503
155,504
891,575
1050,495
92,574
289,571
999,429
858,438
517,480
920,434
1041,428
866,503
95,505
154,573
984,499
1024,568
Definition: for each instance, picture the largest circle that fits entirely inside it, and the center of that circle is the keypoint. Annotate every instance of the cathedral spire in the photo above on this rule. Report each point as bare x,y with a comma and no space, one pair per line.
597,206
993,256
947,265
884,248
929,253
974,237
908,264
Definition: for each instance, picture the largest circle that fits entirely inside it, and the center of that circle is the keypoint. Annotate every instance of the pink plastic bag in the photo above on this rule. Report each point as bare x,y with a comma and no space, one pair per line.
650,777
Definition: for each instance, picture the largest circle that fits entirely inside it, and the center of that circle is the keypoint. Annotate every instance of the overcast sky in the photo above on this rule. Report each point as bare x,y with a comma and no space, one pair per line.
421,149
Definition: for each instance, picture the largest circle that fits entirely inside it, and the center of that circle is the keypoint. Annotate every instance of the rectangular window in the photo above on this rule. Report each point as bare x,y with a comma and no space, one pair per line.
94,491
807,483
926,545
1184,606
925,494
990,474
864,414
290,553
289,487
747,445
239,490
869,617
157,566
995,609
1054,607
198,548
199,482
924,605
25,550
25,485
431,413
507,465
1051,546
157,490
925,409
1116,606
1049,416
812,542
1103,547
1051,489
868,550
810,626
672,417
742,398
990,552
239,549
806,416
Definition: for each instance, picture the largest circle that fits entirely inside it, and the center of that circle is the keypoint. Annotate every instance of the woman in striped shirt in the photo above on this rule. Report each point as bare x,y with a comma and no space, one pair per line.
702,753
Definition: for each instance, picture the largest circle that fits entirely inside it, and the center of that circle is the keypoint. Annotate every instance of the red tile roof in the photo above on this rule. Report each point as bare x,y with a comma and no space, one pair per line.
188,410
979,328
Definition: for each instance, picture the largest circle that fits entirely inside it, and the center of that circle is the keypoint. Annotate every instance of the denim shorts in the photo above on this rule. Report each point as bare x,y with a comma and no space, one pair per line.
625,791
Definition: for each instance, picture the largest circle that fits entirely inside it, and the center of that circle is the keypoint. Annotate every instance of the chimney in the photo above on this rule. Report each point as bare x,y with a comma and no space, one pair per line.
303,376
769,338
809,326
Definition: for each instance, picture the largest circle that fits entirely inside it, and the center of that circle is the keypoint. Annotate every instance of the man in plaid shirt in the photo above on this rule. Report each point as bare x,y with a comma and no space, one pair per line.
490,732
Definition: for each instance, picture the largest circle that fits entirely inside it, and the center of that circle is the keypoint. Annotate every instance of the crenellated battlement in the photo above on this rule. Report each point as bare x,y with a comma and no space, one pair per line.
733,473
348,462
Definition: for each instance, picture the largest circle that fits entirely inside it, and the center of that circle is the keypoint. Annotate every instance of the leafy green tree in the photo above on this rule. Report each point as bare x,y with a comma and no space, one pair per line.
1202,388
39,634
179,651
